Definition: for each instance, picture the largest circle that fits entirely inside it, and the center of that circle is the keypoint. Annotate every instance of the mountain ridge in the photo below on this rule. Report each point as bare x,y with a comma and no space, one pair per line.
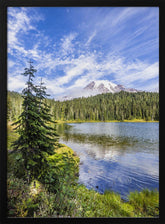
105,86
98,87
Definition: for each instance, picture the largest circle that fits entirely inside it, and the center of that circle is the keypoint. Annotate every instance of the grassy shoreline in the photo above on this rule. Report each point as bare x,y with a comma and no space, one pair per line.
108,121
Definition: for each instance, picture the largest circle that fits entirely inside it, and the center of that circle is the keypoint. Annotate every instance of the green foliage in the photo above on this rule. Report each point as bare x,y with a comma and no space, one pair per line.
92,204
11,136
55,192
109,204
62,171
34,200
16,165
25,200
52,197
17,193
14,105
145,203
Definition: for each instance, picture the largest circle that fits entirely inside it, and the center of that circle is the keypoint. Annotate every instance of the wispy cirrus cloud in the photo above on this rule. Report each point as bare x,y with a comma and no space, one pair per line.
20,22
91,37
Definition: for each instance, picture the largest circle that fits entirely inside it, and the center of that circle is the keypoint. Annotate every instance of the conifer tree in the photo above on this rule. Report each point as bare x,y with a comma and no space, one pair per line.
36,138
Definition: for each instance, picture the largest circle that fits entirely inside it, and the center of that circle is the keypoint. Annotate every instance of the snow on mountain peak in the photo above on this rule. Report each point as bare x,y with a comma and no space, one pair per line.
106,83
96,87
102,86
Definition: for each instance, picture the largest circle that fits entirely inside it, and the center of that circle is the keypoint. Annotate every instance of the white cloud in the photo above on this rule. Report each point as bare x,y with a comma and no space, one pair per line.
16,83
123,16
67,45
18,22
151,71
53,87
151,86
10,63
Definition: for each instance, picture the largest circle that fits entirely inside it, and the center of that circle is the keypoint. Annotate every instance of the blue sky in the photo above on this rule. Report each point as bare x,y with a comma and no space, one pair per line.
72,46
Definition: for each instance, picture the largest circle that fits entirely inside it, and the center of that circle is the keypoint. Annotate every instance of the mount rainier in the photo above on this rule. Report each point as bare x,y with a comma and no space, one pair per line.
95,88
104,86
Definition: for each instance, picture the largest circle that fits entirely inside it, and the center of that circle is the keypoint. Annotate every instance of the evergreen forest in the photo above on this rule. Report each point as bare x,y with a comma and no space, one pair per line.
104,107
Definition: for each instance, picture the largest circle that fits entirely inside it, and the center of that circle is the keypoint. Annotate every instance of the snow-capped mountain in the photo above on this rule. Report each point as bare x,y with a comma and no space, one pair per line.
95,88
104,86
101,86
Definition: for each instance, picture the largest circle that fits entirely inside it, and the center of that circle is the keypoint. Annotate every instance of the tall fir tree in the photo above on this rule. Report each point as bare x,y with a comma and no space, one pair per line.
36,136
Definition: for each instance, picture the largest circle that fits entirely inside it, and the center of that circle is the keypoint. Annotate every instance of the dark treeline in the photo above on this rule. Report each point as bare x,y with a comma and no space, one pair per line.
14,105
119,106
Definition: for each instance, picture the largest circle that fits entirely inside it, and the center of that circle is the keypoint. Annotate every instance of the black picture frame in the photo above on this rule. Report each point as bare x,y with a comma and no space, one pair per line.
4,4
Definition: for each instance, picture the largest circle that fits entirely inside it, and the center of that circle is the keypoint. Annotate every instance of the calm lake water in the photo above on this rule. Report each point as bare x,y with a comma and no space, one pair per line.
122,157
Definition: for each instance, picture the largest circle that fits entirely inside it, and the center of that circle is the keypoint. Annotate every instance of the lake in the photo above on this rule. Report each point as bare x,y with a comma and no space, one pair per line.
117,156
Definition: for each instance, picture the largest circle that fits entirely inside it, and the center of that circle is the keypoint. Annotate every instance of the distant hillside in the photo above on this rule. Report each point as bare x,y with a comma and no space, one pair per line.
108,106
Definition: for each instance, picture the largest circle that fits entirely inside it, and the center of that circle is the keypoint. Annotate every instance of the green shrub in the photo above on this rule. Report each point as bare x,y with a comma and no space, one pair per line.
26,200
62,171
18,192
